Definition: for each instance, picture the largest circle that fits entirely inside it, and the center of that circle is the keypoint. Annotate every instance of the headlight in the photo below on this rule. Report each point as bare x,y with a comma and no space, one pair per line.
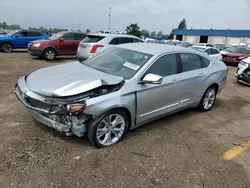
75,108
242,58
37,45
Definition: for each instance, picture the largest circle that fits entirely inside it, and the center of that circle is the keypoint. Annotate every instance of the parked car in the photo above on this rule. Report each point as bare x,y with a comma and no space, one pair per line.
185,44
213,52
243,71
205,44
2,32
95,43
62,43
235,55
19,39
219,46
120,89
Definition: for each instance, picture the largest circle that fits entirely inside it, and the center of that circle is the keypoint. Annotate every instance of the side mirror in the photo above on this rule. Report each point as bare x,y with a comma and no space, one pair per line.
61,39
205,53
152,79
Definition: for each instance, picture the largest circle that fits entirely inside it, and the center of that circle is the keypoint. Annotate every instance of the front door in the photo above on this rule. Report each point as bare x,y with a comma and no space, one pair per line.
68,44
20,40
154,100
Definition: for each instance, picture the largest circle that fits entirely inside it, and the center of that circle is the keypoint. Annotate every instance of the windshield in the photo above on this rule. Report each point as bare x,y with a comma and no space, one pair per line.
11,33
198,48
119,62
56,36
240,50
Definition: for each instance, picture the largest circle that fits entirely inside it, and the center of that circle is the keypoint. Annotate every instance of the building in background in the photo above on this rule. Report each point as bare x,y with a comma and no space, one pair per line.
212,36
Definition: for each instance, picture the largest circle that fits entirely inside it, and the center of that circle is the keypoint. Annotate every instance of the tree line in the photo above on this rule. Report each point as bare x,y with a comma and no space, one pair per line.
134,29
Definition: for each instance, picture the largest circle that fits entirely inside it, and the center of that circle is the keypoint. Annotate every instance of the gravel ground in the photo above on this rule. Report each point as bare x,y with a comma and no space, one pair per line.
182,150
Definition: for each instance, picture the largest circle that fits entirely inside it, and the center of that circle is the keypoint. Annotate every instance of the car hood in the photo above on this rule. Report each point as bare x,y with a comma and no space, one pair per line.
40,41
5,37
68,80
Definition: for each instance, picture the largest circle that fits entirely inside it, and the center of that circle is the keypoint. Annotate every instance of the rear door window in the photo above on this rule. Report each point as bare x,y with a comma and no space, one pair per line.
92,38
214,51
125,40
205,62
190,62
69,36
208,51
79,36
34,34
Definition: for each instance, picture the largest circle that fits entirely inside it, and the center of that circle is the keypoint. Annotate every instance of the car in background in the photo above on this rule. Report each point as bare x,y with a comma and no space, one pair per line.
235,55
2,32
62,43
19,39
219,46
243,71
212,52
94,43
184,44
120,89
105,32
205,44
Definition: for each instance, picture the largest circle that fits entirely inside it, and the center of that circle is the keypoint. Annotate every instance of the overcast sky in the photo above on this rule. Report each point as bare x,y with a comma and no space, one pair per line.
149,14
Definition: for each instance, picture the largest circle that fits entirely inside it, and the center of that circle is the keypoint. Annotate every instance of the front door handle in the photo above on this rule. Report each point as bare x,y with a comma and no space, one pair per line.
201,74
175,80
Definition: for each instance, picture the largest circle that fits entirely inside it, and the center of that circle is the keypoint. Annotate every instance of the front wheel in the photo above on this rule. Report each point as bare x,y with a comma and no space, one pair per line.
108,129
6,47
49,54
208,99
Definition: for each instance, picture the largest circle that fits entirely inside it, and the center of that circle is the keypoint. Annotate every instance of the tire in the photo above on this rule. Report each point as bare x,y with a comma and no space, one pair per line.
107,131
208,99
49,54
6,47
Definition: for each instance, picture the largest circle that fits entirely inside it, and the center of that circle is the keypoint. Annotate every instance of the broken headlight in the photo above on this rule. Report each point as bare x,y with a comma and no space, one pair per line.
75,108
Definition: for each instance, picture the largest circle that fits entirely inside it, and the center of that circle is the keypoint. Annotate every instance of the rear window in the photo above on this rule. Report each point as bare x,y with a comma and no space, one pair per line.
92,38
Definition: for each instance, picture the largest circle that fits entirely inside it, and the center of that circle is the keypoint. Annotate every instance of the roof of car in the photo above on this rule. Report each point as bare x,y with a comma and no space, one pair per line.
112,35
204,47
155,48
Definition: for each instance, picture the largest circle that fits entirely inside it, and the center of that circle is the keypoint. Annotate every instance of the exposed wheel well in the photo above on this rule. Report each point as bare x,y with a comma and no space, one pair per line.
216,86
127,113
50,48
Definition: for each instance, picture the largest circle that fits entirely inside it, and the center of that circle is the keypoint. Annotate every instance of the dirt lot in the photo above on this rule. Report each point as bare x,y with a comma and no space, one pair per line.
183,150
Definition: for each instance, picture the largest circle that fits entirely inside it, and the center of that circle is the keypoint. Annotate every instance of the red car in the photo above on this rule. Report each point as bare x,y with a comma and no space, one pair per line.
235,55
63,43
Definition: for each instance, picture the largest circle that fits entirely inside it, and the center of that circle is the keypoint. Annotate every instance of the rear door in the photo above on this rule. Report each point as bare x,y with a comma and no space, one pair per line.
192,76
67,45
33,35
215,53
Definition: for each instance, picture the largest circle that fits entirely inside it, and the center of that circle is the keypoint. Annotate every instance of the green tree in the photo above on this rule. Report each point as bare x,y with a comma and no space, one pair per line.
159,34
182,24
133,29
153,33
145,33
87,31
171,34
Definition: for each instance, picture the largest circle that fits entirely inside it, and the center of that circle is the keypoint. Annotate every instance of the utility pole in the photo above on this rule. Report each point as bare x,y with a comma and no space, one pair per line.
79,25
109,17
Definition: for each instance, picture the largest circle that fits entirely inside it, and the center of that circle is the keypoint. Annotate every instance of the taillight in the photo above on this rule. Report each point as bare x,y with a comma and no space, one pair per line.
94,48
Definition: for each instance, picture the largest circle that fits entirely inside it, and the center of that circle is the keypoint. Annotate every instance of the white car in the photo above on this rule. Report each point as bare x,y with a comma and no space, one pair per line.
95,43
243,71
213,52
204,44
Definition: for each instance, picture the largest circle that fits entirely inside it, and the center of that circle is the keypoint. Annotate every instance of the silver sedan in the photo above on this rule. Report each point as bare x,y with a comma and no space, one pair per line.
121,88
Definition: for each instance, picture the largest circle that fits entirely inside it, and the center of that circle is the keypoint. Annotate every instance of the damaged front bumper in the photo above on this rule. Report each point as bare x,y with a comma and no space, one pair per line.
243,73
62,122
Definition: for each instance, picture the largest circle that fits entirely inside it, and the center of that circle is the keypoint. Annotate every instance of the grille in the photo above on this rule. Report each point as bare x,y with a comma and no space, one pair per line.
38,104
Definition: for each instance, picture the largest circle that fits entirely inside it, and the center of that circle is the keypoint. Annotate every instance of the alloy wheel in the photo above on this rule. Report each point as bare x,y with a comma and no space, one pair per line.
110,129
6,47
209,99
50,55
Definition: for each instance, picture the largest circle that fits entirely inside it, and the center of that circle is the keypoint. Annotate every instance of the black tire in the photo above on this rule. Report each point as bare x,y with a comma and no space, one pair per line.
203,107
93,125
6,47
49,54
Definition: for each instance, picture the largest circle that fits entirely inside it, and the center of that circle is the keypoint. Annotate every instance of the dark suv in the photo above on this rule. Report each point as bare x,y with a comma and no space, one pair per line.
62,43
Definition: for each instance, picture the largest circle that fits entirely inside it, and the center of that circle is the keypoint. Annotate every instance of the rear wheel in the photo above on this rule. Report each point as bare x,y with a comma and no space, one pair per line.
108,129
6,47
208,99
49,54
